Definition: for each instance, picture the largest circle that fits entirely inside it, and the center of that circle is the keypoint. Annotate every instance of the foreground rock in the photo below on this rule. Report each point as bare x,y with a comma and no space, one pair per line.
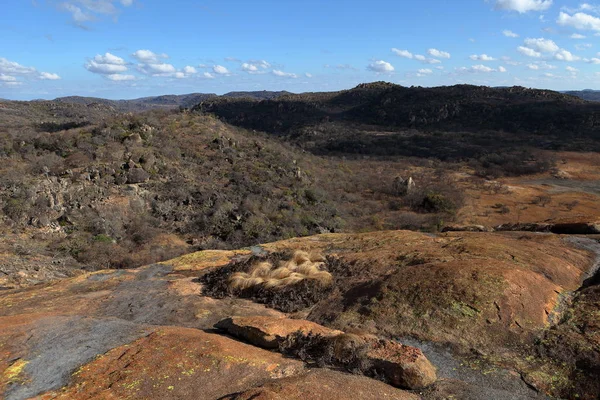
268,332
403,366
135,333
322,384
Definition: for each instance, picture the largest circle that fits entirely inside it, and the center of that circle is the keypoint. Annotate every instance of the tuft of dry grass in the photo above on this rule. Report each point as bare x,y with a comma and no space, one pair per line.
301,266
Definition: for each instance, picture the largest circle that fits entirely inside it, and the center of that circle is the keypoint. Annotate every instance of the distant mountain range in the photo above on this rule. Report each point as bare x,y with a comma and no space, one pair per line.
587,94
166,101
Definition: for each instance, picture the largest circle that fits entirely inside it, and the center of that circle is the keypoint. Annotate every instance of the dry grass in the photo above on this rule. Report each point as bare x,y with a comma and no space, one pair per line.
301,266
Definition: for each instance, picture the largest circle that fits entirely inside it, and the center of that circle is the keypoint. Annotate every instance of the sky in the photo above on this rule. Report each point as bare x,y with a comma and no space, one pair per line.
123,49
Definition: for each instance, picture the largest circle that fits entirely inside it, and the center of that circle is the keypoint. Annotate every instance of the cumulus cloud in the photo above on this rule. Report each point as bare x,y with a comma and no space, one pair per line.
49,76
480,68
120,77
100,68
157,69
308,75
579,20
221,70
250,68
380,67
12,73
482,57
149,57
526,51
593,60
501,69
425,71
14,68
508,33
282,74
208,75
189,70
577,36
7,78
541,45
402,53
564,55
523,6
438,53
534,67
426,60
572,70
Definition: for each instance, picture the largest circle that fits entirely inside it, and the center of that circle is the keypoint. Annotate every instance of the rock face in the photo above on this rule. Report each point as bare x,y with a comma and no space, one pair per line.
268,332
146,333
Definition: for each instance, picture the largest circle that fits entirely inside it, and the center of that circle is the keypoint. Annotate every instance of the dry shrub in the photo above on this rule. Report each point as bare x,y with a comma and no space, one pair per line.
285,281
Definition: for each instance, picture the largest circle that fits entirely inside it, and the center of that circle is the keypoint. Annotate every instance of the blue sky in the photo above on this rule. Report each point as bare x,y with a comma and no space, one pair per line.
135,48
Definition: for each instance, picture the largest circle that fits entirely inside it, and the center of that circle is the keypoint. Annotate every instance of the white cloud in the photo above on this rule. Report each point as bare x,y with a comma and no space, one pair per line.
482,57
11,71
49,76
103,68
149,57
572,69
425,71
249,68
7,78
542,45
157,69
282,74
120,77
529,52
426,60
189,70
583,46
549,75
577,36
208,75
541,65
438,53
476,69
11,67
109,58
523,6
380,66
579,20
501,69
564,55
89,10
593,60
508,33
221,70
402,53
180,75
308,75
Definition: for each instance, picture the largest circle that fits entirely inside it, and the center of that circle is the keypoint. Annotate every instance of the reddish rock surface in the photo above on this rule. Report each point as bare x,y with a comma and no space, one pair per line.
403,366
267,332
321,384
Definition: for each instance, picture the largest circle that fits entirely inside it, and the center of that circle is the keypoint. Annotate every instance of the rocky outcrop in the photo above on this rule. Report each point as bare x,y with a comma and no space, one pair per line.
268,332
